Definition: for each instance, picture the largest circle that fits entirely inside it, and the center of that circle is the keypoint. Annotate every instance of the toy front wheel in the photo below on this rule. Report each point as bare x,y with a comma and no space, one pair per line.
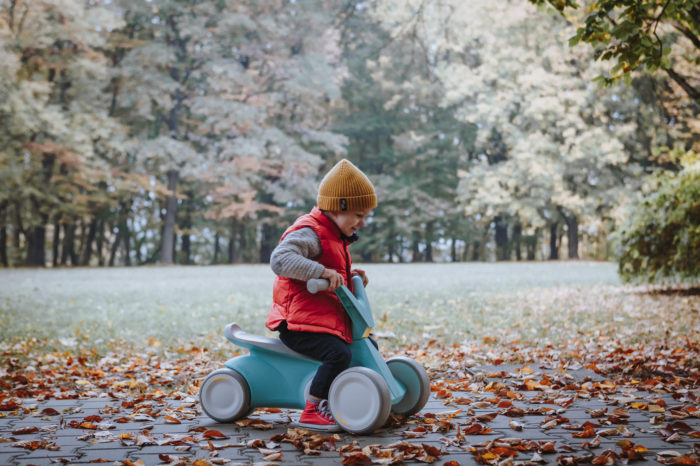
360,400
413,376
225,395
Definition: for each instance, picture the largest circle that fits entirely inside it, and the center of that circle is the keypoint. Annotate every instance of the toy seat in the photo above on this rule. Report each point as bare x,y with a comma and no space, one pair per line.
247,340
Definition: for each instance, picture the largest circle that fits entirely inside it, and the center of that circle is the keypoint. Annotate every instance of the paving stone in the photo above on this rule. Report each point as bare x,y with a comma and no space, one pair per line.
41,456
8,457
78,451
113,454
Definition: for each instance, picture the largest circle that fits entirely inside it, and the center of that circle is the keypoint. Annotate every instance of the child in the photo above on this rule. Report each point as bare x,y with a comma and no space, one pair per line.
316,246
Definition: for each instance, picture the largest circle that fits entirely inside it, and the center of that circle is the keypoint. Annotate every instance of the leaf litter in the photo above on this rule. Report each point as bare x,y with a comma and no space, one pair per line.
630,341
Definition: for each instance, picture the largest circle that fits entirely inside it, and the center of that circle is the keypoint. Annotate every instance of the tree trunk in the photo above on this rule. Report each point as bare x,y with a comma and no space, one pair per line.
186,249
125,232
476,250
453,249
115,246
501,237
18,229
237,242
267,242
553,246
36,246
517,238
415,248
531,244
3,234
36,238
231,249
87,250
166,252
242,243
217,248
572,235
187,228
429,228
36,234
56,242
390,248
100,242
82,243
68,249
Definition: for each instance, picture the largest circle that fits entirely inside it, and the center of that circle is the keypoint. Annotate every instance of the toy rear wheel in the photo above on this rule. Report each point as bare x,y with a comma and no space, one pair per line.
225,395
360,400
413,376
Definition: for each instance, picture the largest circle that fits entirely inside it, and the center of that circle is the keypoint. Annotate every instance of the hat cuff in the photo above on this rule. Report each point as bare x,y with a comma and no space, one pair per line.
335,204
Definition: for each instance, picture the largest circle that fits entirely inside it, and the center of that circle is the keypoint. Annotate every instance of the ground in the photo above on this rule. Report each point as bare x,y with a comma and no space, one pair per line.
104,364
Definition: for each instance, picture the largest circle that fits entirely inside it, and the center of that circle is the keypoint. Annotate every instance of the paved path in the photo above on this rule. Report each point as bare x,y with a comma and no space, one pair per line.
175,431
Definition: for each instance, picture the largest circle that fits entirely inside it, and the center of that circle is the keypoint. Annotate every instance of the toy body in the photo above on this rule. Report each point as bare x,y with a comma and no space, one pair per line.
272,375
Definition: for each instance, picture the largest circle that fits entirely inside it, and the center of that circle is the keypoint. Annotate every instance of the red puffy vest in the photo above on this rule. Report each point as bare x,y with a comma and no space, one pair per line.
321,312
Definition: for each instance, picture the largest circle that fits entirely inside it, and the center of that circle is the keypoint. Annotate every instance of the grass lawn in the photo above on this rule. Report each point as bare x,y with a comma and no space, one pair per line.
523,303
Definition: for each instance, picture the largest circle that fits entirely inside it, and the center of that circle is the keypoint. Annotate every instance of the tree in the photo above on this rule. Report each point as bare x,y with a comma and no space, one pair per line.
650,41
403,139
546,151
641,35
52,105
230,97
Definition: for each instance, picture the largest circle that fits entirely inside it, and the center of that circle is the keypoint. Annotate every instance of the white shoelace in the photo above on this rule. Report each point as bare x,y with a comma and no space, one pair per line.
324,410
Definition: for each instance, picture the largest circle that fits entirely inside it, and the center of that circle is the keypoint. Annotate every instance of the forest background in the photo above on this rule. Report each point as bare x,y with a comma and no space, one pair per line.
194,132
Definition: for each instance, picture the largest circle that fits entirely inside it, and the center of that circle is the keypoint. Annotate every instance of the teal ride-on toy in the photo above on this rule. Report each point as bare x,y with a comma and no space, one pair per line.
272,375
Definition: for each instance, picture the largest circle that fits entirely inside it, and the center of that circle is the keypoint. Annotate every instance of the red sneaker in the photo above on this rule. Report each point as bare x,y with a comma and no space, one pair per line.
317,416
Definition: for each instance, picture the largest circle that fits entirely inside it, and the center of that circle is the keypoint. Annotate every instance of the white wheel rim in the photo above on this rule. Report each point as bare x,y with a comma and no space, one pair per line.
355,401
222,396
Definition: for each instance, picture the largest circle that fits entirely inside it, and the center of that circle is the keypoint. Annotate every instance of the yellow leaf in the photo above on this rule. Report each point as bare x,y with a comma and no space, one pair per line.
656,409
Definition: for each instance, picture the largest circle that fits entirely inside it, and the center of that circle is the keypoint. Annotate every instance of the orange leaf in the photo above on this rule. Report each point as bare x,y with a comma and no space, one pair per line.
587,432
503,451
214,434
25,430
432,451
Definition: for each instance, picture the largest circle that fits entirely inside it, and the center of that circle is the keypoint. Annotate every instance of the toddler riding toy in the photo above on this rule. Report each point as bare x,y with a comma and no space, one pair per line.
272,375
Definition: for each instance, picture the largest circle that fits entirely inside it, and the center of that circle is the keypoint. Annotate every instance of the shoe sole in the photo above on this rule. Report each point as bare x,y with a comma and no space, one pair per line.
328,428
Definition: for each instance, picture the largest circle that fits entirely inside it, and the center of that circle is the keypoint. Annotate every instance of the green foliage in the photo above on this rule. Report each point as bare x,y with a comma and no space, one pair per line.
641,35
660,242
466,115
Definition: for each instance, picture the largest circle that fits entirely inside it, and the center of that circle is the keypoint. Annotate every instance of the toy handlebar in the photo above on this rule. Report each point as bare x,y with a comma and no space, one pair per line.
317,284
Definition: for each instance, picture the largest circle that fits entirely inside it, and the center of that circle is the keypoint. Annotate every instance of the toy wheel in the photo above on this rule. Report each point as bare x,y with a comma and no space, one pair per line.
225,395
360,400
413,376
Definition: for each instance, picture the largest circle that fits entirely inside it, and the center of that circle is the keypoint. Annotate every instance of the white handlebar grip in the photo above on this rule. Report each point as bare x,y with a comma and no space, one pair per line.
317,284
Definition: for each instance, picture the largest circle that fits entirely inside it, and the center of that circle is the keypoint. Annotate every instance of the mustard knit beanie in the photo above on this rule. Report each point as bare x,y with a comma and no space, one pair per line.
345,187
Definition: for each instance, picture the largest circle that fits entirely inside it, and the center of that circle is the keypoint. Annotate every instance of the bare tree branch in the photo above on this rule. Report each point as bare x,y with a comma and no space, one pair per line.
681,81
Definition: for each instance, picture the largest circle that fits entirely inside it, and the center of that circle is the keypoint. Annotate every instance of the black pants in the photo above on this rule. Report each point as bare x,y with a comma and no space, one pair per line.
333,352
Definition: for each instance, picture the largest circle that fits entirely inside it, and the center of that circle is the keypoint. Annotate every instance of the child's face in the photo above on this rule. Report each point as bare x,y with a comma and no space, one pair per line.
350,221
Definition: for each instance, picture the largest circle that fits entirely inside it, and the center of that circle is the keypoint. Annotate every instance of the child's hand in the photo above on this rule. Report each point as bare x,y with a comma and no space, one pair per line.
362,274
335,279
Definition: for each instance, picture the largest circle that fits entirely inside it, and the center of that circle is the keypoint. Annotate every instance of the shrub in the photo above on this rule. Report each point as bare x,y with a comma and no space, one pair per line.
660,241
